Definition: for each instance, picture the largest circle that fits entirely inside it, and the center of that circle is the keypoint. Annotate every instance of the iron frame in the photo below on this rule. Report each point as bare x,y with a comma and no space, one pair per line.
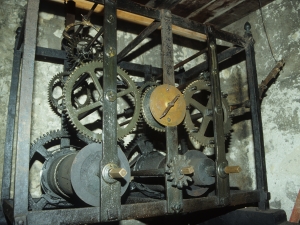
17,209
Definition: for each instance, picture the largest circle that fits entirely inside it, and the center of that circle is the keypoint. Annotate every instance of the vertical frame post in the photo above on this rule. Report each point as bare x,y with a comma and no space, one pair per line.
174,195
257,130
222,179
25,107
110,200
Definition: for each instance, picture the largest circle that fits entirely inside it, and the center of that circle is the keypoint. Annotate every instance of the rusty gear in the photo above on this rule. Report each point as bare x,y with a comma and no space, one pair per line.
198,119
88,119
175,175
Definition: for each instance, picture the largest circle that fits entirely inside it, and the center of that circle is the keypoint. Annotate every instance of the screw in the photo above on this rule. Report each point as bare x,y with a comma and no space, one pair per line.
20,222
169,120
111,95
211,142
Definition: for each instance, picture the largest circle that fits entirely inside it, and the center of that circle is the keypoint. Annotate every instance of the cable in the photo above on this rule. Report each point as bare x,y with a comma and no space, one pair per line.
263,22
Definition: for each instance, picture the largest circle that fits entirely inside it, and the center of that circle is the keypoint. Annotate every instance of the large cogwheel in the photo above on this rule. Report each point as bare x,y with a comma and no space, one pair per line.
88,119
199,115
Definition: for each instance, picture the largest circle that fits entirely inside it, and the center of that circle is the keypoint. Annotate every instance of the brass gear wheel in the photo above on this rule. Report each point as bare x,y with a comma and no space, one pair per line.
146,112
198,119
88,119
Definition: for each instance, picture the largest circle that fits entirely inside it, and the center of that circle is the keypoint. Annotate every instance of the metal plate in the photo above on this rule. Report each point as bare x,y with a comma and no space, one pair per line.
159,99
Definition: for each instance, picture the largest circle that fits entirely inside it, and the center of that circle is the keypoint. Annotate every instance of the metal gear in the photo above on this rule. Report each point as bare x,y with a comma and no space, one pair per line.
41,149
174,167
88,119
76,53
198,119
68,32
146,112
55,97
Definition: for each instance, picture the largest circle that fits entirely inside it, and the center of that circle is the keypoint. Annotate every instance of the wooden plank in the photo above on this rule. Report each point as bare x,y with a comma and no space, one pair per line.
137,19
238,12
185,7
214,9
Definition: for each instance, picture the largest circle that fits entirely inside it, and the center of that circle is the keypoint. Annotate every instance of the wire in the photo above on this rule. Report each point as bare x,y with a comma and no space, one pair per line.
263,22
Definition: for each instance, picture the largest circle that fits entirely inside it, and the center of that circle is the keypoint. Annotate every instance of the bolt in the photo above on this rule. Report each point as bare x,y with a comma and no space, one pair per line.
168,14
169,119
20,222
117,173
224,95
211,142
111,95
110,18
208,112
194,88
187,170
232,169
219,110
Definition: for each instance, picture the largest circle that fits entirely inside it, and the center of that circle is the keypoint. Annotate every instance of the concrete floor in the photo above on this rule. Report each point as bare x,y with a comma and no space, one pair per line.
280,108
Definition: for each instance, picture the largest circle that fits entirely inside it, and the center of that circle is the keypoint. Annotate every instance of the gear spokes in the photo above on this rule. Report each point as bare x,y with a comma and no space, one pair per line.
198,120
88,119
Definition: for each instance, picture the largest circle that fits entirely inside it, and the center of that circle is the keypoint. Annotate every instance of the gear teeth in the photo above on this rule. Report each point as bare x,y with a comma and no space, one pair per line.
69,110
147,115
188,124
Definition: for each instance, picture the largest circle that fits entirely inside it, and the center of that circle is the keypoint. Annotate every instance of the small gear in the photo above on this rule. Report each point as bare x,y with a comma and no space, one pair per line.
76,53
146,112
55,97
198,120
174,167
88,119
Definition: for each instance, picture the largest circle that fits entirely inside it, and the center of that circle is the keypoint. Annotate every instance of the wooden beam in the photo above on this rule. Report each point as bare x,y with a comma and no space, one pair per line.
137,19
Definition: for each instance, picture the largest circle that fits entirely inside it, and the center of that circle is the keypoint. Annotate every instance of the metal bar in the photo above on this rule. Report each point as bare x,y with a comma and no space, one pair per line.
110,200
226,36
145,33
186,60
258,140
87,48
10,124
174,195
222,179
138,210
25,108
50,53
149,173
139,68
188,24
228,53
